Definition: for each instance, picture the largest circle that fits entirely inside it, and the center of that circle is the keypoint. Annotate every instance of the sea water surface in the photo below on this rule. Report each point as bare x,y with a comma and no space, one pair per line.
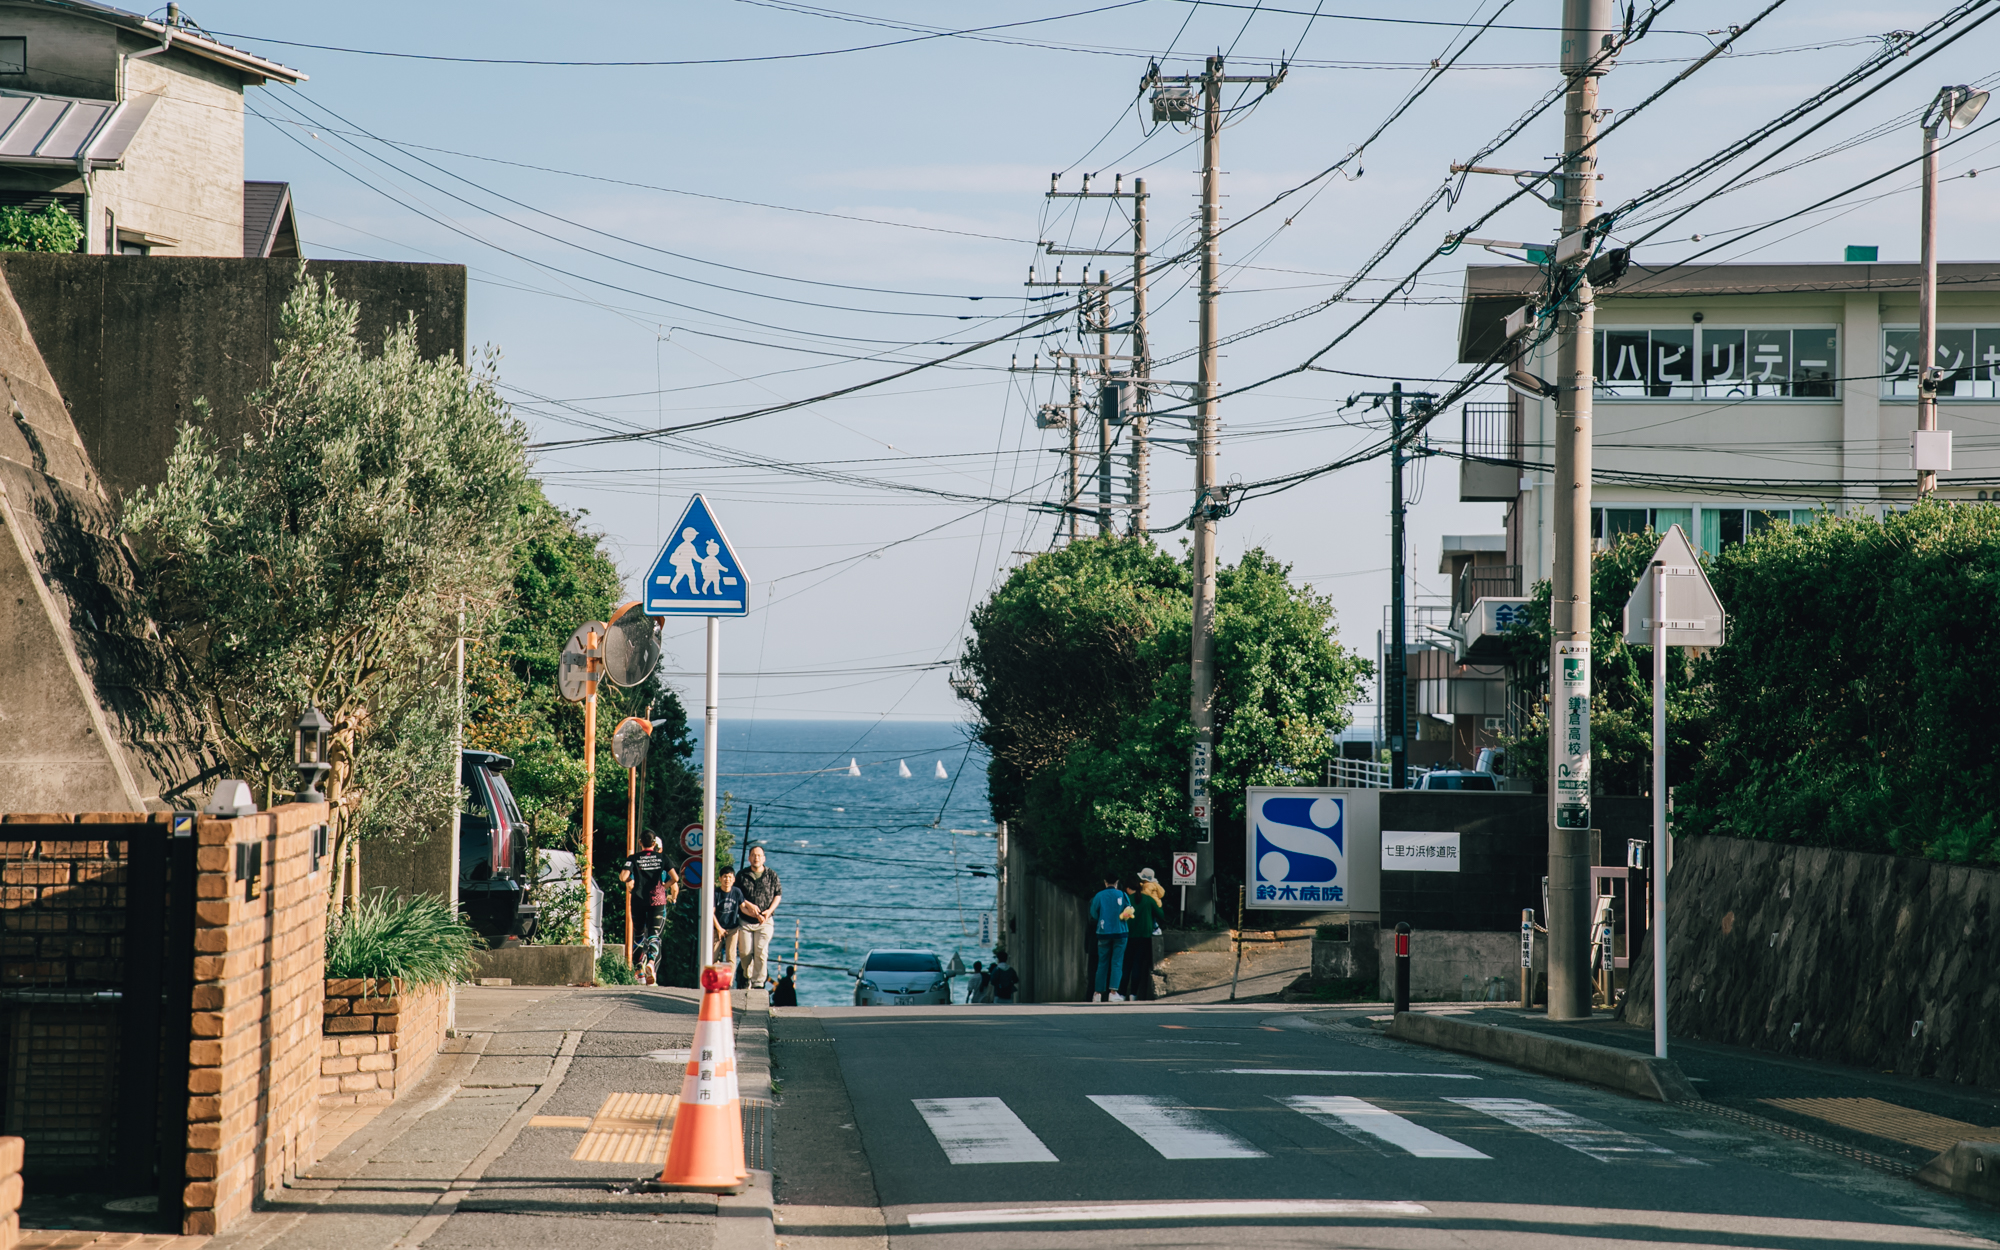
868,861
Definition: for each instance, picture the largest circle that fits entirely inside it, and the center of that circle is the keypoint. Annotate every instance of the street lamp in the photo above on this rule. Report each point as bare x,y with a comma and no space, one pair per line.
309,754
1954,108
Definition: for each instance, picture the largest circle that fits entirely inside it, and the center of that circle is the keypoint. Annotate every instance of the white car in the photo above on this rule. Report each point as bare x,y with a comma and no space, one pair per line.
902,978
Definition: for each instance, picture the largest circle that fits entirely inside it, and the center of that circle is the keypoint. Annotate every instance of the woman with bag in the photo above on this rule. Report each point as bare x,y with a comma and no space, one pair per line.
1148,905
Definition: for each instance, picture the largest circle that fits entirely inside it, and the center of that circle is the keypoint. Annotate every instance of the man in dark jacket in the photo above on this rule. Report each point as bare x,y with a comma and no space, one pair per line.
761,896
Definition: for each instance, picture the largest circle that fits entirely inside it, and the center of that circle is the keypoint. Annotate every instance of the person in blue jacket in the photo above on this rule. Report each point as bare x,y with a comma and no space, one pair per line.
1110,909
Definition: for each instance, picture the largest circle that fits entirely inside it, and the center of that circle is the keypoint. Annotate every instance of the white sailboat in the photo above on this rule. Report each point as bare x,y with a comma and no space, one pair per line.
902,768
941,774
853,769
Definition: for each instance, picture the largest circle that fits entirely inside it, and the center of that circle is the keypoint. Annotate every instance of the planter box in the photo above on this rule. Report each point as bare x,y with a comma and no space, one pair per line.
378,1039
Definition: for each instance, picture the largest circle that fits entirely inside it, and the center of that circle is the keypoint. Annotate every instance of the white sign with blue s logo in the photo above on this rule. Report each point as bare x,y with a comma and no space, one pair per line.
1297,844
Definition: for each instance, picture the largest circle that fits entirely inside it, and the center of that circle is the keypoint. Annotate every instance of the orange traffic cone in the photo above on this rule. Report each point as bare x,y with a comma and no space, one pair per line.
706,1151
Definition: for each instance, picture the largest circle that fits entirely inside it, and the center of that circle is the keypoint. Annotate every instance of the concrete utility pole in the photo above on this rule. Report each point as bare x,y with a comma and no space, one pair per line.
1209,496
1075,479
1103,417
1397,681
1142,363
1588,30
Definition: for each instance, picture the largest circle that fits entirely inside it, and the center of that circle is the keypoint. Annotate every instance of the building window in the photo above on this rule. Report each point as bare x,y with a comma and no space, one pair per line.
13,54
1969,356
1705,362
1608,522
1725,527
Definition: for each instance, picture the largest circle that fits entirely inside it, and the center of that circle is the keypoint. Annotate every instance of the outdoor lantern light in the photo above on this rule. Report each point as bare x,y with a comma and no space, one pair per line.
309,753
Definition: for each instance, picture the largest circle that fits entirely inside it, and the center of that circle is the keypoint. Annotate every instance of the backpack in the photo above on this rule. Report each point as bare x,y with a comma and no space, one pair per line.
1004,981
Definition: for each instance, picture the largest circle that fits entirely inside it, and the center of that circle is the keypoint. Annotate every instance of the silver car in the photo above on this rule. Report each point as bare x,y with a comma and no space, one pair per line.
902,978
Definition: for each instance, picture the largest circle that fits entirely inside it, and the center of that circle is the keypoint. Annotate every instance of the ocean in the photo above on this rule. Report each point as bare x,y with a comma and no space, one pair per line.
869,861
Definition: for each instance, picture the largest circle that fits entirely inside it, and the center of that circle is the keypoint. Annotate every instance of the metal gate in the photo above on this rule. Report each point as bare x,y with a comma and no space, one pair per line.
96,988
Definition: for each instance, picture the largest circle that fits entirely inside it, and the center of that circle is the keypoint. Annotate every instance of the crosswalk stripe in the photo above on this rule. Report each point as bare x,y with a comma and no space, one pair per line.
1599,1141
1346,1115
1174,1129
1439,1076
981,1130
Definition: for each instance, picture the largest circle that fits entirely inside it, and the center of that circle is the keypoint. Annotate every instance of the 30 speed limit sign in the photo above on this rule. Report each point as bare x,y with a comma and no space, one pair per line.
1183,867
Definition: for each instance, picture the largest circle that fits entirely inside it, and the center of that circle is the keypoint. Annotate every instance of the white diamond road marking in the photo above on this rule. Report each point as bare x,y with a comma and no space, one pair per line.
981,1130
1346,1115
1174,1129
1600,1142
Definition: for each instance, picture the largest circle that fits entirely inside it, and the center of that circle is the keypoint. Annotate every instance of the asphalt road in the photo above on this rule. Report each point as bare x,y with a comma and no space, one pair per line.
1225,1125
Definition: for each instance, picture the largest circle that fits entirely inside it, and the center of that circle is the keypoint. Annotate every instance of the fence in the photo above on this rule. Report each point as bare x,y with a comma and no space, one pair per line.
1486,581
96,936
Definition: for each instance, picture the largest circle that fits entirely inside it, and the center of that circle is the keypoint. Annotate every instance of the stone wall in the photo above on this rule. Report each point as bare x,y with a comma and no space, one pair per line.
259,979
380,1038
1877,961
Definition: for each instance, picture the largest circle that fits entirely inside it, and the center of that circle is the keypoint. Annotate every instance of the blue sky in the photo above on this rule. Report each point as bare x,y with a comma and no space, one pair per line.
653,245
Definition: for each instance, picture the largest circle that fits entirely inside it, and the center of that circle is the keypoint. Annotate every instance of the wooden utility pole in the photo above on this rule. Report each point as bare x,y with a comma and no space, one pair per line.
1587,31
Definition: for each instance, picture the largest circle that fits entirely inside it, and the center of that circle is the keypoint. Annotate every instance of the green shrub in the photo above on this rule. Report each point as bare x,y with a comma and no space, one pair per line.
417,939
613,970
561,921
51,230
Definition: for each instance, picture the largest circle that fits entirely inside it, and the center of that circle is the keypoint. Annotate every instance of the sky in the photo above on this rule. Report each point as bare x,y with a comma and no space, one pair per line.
792,200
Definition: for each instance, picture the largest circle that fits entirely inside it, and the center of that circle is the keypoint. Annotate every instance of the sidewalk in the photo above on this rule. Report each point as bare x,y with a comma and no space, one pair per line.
547,1097
1902,1120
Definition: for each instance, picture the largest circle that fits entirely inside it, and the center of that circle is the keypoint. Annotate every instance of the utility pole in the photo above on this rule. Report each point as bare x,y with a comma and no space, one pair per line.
1587,38
1103,416
1210,500
1397,678
1142,363
1396,650
1075,481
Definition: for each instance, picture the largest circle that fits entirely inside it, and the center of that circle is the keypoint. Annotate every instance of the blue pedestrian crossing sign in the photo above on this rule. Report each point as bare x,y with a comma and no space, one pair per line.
696,573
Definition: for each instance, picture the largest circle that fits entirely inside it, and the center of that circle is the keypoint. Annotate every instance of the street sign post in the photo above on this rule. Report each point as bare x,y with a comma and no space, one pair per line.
1672,606
1184,865
697,574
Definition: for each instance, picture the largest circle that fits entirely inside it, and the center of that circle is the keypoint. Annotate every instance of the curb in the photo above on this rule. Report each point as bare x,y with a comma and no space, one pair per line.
1641,1076
1970,1169
745,1221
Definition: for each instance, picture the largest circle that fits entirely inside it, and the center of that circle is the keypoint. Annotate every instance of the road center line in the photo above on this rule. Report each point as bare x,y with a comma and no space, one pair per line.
981,1130
1248,1208
1174,1129
1441,1076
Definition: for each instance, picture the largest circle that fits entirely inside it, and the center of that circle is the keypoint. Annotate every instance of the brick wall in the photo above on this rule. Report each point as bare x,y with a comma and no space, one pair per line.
259,973
12,1151
380,1038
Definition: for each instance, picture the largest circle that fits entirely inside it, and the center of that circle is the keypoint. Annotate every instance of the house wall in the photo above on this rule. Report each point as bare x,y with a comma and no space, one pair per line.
132,345
259,982
66,56
183,175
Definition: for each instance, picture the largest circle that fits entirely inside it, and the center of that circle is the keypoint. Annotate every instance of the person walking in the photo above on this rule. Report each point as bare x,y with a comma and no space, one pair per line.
1148,906
761,896
728,934
1110,909
646,877
786,992
1005,979
980,988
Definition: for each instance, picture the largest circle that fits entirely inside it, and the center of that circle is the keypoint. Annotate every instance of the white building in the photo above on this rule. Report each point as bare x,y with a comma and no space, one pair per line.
1733,397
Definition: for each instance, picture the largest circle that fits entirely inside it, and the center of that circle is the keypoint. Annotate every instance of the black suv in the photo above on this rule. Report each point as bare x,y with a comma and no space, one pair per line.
492,850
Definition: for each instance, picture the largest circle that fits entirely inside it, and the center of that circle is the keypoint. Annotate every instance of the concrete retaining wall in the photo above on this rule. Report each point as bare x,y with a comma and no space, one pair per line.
1872,960
1457,967
539,965
1626,1071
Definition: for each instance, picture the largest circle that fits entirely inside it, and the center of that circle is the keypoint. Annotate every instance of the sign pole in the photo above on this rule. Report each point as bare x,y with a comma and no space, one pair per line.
705,948
591,674
1660,808
631,846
